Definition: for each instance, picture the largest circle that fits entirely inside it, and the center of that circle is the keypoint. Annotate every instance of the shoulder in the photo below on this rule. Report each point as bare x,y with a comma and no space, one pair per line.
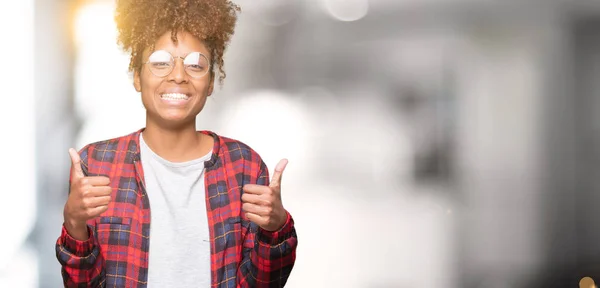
236,150
105,150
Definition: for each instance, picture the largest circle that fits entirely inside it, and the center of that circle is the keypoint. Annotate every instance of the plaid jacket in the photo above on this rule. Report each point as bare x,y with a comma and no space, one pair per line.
116,253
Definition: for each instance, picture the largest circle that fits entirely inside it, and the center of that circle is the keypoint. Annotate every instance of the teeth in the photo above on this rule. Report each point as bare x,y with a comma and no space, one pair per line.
174,96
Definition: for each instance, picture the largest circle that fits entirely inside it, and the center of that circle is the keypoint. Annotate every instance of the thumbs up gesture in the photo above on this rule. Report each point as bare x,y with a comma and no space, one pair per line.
88,198
262,204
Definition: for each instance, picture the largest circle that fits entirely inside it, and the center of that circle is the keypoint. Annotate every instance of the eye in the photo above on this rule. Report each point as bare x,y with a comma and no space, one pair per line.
196,67
160,65
196,61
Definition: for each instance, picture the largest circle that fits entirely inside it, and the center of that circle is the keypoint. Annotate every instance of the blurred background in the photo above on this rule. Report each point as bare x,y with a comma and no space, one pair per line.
432,143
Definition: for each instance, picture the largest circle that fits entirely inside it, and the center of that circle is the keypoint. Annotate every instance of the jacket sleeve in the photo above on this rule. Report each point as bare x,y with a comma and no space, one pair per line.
268,257
81,261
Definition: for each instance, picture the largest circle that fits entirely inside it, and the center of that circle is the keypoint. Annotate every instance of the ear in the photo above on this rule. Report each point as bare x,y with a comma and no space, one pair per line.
136,80
211,86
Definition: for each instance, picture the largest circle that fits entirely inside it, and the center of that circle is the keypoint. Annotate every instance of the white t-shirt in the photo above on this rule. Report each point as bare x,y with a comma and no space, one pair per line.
179,253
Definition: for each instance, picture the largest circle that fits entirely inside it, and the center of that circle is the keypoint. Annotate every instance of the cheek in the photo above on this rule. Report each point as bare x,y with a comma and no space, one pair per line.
149,84
202,87
148,92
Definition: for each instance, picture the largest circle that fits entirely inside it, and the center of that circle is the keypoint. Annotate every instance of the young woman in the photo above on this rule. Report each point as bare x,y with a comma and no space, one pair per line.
167,205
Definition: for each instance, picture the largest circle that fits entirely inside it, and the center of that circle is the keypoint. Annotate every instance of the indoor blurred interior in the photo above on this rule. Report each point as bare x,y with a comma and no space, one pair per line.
432,143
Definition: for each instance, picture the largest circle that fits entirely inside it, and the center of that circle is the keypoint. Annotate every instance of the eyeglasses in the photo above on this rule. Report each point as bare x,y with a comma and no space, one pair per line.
161,64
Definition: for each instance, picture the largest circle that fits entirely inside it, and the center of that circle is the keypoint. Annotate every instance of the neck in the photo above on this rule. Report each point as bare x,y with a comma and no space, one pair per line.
177,144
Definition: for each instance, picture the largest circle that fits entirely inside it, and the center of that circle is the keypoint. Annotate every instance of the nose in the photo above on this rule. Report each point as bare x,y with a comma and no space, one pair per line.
178,74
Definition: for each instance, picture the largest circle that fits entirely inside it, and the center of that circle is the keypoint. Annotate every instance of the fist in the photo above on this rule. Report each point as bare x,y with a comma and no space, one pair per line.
88,197
262,204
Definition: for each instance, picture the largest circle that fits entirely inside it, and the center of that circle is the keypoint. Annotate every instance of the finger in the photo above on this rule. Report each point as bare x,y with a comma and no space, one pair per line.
587,282
98,180
255,209
276,179
257,219
76,171
94,202
97,211
255,189
100,191
253,198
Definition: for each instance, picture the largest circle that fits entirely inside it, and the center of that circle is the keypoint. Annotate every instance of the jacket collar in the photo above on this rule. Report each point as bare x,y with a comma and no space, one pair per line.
135,148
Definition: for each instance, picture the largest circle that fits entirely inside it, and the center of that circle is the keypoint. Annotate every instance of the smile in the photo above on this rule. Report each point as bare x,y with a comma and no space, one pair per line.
174,96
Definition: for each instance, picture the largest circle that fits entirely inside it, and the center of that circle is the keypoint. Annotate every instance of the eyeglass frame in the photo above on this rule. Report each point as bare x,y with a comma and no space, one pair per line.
174,58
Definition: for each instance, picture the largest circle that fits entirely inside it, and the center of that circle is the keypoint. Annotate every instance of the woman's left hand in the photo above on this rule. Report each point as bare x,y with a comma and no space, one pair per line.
262,204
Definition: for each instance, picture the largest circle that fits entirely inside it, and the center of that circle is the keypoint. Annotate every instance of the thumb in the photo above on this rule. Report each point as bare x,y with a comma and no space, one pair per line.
587,282
276,179
76,171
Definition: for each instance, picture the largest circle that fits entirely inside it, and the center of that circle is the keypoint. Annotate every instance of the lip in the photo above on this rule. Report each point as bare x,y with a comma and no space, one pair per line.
174,103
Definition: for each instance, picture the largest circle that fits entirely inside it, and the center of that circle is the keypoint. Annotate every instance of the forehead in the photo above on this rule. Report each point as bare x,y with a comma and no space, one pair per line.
186,43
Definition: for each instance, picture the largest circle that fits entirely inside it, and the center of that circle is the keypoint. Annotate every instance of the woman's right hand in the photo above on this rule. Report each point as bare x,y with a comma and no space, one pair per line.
88,198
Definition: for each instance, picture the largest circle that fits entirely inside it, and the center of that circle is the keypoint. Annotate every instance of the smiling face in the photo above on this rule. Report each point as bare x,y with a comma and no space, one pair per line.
175,99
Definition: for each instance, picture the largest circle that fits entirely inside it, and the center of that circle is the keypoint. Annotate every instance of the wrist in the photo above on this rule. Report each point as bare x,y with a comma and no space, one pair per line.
76,229
279,224
282,221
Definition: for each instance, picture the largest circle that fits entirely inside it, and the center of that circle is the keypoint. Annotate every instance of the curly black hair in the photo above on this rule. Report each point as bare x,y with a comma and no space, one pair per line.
141,22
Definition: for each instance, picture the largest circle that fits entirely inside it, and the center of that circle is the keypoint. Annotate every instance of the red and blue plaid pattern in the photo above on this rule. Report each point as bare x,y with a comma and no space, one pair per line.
116,254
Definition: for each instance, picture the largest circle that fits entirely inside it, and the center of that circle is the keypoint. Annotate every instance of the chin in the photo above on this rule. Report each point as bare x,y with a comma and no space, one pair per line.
175,119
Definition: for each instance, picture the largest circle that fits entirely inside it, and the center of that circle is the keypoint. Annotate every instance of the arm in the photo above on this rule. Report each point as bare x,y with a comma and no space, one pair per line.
268,257
80,257
81,261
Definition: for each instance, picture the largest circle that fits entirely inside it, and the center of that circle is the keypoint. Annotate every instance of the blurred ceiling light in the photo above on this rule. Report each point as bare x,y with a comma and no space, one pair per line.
94,24
100,60
272,123
347,10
